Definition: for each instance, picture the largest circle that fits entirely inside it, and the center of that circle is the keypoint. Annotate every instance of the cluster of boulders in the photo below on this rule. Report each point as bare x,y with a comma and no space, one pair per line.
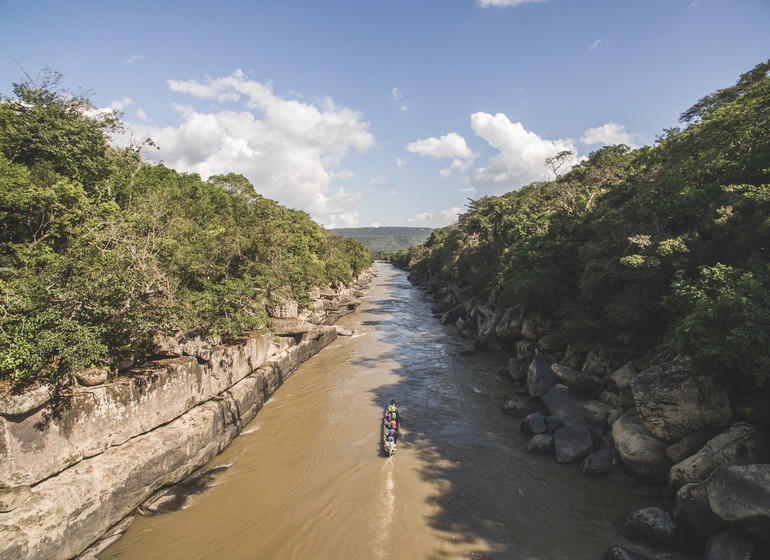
700,446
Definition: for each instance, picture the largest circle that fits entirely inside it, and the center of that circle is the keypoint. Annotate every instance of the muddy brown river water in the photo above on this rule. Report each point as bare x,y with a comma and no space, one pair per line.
307,479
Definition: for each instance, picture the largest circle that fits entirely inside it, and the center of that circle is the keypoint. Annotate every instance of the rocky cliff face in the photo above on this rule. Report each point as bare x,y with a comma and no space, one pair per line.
72,468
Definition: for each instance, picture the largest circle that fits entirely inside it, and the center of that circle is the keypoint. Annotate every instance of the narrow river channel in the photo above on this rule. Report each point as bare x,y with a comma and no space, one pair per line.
307,480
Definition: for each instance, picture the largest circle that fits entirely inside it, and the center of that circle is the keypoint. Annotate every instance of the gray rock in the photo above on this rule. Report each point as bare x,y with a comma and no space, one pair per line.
612,399
540,378
581,383
92,376
729,545
563,402
509,327
596,363
533,328
692,508
740,444
541,443
573,444
514,371
640,451
553,423
17,405
690,444
739,497
552,343
656,526
672,407
451,316
601,461
517,407
621,378
534,424
620,553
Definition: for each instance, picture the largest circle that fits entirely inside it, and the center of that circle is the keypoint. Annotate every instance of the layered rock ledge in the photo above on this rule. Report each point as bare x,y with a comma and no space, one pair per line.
71,469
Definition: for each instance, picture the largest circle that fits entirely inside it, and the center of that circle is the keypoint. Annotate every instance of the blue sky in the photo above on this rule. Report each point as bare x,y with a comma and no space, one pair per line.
365,112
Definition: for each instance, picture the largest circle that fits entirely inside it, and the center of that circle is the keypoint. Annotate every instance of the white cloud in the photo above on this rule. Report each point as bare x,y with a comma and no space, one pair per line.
504,3
288,149
400,163
522,154
608,134
121,104
450,145
344,174
436,219
396,95
141,115
133,58
595,45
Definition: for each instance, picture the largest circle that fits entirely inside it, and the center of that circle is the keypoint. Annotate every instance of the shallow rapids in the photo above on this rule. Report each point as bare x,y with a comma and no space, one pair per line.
307,478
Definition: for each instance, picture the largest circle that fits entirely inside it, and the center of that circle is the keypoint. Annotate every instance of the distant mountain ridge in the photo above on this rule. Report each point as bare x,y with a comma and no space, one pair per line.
386,239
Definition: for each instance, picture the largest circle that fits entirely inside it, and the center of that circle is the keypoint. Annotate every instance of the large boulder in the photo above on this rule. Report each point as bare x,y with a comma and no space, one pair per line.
561,401
740,444
540,377
671,406
642,453
729,545
573,443
515,371
509,327
691,444
601,461
582,383
739,496
735,497
621,378
541,443
451,316
656,526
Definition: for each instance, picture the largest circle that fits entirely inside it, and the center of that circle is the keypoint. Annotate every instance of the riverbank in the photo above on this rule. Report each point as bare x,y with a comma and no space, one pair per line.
75,466
695,447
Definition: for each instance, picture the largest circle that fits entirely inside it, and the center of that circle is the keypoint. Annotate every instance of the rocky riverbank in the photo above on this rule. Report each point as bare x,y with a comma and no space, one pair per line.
74,465
700,448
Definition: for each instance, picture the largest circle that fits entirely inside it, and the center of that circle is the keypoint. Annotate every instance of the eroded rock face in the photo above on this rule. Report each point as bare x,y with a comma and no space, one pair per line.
642,453
671,406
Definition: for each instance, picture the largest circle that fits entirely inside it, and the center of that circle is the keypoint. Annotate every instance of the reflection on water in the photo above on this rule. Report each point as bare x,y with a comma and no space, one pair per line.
307,480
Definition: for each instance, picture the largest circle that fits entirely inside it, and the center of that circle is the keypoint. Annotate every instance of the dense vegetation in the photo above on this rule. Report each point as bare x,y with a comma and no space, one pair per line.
100,251
383,240
660,248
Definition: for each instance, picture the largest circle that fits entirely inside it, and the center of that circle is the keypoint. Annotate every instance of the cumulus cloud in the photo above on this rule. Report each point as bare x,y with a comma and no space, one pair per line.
121,104
608,134
450,146
288,149
435,219
522,154
504,3
133,58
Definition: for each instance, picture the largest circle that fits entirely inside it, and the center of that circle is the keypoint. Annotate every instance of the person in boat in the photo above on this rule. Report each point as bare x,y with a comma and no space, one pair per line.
392,408
391,445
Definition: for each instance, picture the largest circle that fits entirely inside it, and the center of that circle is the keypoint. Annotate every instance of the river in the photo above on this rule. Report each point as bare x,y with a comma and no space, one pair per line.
307,480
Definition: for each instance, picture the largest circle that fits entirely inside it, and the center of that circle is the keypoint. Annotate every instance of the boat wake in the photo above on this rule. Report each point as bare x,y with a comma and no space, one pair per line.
387,500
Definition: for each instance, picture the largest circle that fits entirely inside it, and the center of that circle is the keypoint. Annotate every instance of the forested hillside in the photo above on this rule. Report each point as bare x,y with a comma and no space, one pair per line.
386,239
100,251
664,248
